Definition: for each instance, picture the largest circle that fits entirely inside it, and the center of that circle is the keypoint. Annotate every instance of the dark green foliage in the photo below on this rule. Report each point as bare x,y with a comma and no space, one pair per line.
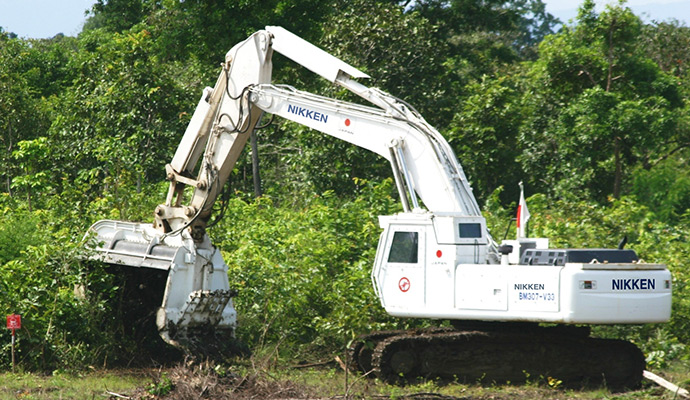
399,50
120,118
37,281
667,44
304,274
23,113
205,30
509,28
402,56
485,133
597,106
20,230
117,15
664,188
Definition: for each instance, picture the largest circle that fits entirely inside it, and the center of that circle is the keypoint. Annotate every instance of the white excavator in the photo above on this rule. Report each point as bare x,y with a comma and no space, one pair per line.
435,259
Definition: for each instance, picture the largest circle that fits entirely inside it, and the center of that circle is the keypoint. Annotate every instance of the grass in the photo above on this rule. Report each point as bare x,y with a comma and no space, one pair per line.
272,380
330,383
93,385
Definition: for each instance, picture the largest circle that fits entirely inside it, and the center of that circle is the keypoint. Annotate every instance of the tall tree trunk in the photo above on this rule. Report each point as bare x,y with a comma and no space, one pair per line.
255,165
610,56
618,177
9,155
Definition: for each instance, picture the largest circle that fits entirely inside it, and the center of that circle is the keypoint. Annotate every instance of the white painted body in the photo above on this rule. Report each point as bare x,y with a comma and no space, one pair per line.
443,284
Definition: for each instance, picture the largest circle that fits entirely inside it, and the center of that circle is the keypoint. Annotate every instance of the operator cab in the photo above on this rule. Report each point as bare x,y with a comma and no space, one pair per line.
417,255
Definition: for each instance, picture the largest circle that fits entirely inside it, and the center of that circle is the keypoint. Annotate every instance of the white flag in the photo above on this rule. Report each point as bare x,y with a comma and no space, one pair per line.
522,215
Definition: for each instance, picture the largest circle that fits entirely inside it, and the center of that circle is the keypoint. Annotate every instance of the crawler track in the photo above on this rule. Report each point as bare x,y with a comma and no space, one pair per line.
513,355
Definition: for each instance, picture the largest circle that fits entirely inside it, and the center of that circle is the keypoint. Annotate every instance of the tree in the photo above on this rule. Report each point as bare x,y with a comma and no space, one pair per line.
23,113
31,157
496,30
599,106
667,44
206,30
117,15
485,131
400,52
121,120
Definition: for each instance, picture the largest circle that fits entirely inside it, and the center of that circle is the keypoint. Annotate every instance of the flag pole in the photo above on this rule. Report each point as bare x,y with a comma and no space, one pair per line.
522,214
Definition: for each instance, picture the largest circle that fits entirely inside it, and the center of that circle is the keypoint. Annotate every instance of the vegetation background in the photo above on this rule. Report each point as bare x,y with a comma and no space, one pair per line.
593,118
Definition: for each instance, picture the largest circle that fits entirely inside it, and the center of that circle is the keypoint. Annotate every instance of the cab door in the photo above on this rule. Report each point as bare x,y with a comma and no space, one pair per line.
400,275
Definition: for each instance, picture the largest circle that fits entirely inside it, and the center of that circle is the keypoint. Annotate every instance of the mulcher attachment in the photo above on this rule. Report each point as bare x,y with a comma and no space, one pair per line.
197,301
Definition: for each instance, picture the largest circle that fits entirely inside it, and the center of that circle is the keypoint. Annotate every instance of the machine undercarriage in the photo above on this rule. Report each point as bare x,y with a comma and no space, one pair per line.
499,353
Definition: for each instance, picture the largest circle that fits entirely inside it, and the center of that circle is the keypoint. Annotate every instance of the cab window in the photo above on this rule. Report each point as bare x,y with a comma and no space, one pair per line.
404,248
469,230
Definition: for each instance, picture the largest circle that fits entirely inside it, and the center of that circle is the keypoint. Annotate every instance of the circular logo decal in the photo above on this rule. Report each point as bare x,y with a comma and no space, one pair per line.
404,284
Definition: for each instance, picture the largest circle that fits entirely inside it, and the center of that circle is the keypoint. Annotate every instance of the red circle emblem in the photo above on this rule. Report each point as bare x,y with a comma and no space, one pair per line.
347,122
439,253
404,284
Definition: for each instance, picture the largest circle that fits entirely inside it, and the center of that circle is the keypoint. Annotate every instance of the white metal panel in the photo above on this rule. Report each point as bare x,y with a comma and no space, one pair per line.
481,287
582,296
362,126
616,295
440,274
310,56
534,288
444,228
447,229
185,156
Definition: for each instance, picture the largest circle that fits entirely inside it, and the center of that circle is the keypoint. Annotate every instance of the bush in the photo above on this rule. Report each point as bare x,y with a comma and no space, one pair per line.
303,273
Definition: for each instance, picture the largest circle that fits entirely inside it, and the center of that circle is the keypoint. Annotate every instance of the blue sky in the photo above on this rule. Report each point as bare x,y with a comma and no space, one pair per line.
648,10
43,18
46,18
